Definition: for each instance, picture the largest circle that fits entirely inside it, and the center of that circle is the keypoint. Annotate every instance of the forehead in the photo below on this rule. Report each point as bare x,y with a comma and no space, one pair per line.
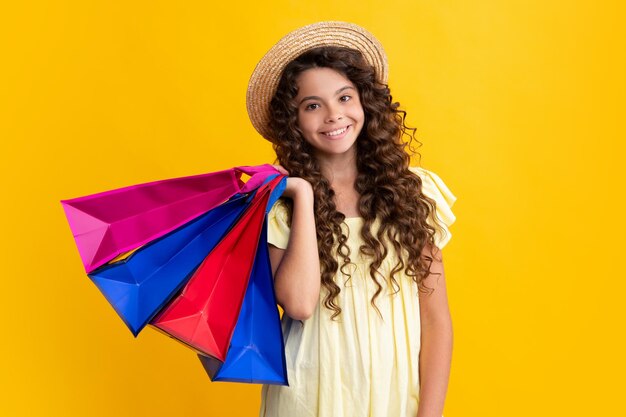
321,81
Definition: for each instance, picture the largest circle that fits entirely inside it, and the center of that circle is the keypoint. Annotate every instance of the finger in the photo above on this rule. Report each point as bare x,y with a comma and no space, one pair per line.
281,169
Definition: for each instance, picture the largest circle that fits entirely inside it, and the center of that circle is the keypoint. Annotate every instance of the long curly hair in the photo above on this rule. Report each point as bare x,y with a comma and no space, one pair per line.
388,190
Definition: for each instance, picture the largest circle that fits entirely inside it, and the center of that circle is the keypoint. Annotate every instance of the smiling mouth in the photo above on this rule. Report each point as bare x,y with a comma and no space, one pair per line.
336,132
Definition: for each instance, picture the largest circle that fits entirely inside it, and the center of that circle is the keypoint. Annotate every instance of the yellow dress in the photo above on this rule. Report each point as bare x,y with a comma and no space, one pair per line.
360,364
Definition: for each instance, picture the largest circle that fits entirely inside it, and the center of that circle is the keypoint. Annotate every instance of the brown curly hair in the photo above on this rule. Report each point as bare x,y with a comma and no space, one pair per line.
388,190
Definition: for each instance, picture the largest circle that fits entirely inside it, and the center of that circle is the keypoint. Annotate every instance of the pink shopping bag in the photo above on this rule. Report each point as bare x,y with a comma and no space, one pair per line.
107,224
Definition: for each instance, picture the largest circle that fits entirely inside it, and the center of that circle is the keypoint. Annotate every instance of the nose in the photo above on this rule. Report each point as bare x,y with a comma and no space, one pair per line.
334,114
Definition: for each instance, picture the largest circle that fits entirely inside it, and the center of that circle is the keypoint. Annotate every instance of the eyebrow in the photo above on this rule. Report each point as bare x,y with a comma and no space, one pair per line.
319,98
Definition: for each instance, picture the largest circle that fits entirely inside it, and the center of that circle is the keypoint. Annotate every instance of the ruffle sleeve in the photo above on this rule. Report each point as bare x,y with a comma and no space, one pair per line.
277,227
434,188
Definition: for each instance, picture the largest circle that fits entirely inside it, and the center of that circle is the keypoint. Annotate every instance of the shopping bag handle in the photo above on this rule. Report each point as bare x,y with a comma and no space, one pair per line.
258,175
254,169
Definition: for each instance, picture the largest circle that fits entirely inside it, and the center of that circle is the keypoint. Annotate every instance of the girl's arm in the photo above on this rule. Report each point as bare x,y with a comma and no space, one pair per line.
296,269
436,342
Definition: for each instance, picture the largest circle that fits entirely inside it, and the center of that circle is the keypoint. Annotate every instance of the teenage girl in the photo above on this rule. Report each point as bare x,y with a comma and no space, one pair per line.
354,245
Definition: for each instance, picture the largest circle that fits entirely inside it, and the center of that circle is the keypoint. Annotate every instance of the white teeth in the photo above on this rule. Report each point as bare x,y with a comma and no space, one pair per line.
336,132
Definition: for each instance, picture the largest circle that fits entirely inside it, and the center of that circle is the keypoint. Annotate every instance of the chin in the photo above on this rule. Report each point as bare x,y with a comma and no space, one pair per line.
336,150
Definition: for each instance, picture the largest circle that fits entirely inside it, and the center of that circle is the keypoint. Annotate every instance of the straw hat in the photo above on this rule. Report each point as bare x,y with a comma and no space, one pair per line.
267,73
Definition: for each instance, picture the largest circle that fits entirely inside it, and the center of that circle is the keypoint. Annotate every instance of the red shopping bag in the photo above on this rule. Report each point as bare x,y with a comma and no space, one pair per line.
205,313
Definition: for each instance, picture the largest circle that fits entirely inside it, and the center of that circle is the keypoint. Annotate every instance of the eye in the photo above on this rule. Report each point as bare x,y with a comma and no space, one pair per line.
347,98
308,107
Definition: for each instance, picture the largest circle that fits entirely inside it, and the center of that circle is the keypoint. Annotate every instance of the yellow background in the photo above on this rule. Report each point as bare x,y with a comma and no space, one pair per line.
519,105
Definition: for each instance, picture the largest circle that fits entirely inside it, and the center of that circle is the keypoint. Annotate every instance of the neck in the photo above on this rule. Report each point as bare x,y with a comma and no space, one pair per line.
339,169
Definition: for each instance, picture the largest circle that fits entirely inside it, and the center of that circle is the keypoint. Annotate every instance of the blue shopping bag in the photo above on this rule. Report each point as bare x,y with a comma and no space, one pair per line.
139,286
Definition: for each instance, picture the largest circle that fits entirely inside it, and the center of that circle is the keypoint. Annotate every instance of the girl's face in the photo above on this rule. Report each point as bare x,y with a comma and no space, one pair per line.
330,114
